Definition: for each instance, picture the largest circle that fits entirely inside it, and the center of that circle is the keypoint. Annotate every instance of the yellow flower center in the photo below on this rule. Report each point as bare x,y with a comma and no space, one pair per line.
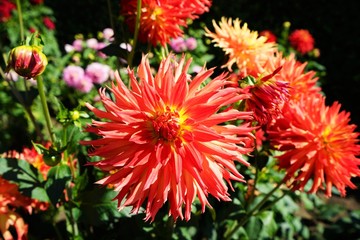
167,125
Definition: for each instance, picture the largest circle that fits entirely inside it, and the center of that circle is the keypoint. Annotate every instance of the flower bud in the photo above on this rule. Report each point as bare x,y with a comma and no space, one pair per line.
27,61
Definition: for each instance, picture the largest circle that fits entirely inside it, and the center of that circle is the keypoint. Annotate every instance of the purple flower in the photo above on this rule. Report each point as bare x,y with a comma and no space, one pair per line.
178,44
191,43
97,72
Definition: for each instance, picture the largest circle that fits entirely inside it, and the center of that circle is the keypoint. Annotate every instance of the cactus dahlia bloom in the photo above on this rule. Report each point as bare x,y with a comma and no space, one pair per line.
319,144
300,82
245,48
164,140
302,41
162,20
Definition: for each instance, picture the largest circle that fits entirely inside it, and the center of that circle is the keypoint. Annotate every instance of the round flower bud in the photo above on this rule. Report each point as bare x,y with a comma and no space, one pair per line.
27,61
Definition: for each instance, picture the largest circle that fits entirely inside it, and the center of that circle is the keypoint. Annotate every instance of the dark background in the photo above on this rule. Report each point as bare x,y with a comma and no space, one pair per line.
334,25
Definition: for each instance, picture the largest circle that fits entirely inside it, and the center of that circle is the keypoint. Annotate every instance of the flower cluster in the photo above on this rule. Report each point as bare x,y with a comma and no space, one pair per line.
317,141
180,44
84,80
89,64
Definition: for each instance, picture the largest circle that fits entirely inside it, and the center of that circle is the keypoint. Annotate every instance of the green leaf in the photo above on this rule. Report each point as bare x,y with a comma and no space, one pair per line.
98,207
269,225
26,176
58,176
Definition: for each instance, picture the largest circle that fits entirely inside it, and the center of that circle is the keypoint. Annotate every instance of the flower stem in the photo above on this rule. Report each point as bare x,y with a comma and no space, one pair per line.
18,5
252,212
45,108
136,33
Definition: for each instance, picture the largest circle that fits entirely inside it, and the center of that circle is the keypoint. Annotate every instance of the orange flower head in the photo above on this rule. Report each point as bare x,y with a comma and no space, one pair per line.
300,83
162,20
11,198
242,46
164,140
33,157
319,144
302,41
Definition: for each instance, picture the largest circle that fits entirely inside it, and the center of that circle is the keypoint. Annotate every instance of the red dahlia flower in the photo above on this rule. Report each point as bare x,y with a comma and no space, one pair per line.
300,83
6,7
270,36
318,144
162,20
302,41
164,140
268,96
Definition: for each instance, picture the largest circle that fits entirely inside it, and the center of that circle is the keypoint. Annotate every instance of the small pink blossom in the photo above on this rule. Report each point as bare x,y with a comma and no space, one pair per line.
190,43
108,34
78,45
74,76
97,72
92,43
178,44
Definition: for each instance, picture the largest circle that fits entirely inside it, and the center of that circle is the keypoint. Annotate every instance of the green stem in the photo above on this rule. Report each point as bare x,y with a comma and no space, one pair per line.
18,5
45,108
136,33
22,102
252,212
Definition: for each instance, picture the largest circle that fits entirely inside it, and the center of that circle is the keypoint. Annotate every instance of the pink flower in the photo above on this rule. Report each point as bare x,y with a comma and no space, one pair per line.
74,76
92,43
78,45
191,43
108,34
178,44
97,72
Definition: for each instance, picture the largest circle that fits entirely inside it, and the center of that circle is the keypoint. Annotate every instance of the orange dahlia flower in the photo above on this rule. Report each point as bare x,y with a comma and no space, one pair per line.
243,47
302,41
319,144
164,140
293,72
162,20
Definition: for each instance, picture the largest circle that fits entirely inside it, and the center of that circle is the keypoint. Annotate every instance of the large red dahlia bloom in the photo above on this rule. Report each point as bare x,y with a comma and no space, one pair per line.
318,144
161,20
163,142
